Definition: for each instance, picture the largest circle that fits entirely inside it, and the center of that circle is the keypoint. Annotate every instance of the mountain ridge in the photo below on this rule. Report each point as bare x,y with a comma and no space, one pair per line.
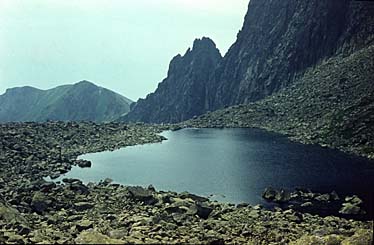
82,101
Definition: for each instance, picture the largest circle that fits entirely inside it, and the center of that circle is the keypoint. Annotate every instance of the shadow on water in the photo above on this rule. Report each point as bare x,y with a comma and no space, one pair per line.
232,165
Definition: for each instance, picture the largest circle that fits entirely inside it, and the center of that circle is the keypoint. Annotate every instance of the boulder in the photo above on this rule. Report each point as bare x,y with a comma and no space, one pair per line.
323,198
71,181
84,225
334,196
107,181
273,195
203,210
194,197
355,200
40,202
95,237
47,186
282,196
82,206
349,208
10,215
139,193
79,188
83,163
269,194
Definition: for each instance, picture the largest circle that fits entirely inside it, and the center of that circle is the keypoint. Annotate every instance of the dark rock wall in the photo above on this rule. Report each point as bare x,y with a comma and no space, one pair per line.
182,94
281,39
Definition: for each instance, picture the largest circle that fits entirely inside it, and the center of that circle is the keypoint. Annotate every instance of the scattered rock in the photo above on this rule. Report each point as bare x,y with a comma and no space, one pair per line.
94,237
280,196
84,225
203,210
83,163
40,202
82,206
194,197
141,194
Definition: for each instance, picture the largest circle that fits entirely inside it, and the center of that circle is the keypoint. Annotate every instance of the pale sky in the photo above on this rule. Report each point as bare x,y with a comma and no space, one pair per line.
123,45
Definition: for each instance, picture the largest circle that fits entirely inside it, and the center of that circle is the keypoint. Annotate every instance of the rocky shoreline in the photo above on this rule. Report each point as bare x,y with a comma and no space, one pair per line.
33,210
331,105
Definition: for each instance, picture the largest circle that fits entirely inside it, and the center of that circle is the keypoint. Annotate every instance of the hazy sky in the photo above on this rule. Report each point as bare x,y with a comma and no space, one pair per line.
123,45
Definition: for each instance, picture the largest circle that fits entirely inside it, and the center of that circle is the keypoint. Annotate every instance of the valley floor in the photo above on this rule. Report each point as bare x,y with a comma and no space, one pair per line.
33,210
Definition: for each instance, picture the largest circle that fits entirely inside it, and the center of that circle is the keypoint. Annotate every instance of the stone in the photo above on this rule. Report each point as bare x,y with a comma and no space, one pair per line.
10,215
40,202
242,205
280,196
334,196
306,204
203,210
95,237
355,200
71,180
323,198
140,194
79,188
349,208
194,197
269,194
47,186
82,206
151,188
118,234
83,163
84,225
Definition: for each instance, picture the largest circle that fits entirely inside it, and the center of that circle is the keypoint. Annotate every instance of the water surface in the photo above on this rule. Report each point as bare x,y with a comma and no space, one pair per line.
233,165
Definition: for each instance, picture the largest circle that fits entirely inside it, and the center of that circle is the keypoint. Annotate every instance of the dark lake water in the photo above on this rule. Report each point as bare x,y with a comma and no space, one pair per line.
233,165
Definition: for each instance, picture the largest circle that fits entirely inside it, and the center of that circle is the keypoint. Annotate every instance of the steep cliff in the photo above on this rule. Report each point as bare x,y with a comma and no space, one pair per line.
182,94
83,101
281,39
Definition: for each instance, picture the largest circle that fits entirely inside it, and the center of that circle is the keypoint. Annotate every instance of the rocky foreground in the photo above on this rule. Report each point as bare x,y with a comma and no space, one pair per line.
33,210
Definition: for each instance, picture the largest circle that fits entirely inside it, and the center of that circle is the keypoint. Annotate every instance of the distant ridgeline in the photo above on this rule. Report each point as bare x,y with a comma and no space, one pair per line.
83,101
279,42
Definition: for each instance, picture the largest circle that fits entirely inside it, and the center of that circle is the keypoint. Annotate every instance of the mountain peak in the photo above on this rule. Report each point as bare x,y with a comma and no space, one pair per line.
85,83
203,43
82,101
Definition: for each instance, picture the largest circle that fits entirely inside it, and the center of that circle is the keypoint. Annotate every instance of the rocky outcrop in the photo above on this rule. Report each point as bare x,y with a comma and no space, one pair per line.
281,39
182,94
83,101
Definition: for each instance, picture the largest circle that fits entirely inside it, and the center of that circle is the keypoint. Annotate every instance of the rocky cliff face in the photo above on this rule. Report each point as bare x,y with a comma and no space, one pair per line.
281,39
182,94
83,101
